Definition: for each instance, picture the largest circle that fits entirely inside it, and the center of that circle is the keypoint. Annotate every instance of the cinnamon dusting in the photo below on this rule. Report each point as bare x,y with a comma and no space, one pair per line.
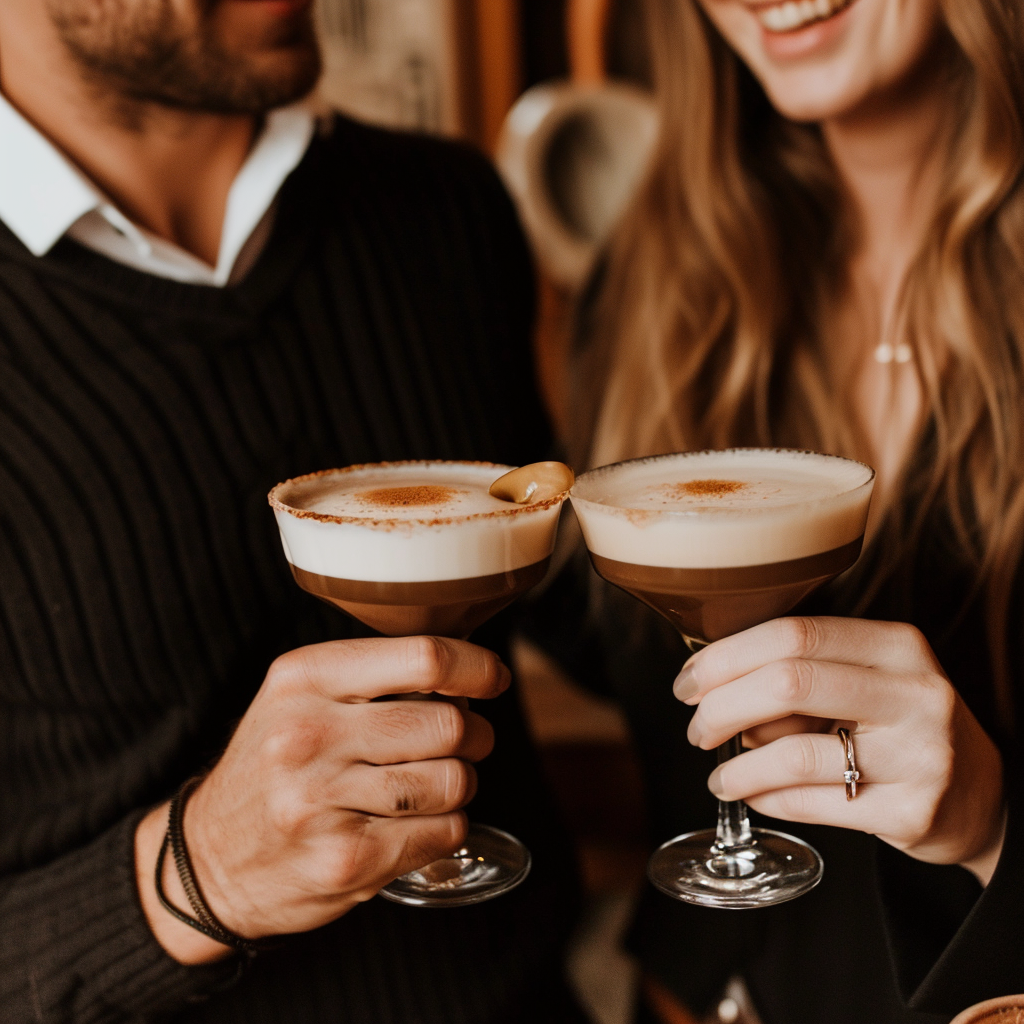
408,497
707,488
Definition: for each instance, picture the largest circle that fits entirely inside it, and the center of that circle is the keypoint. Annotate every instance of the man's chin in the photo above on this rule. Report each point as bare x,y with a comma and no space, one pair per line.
277,80
227,56
255,94
276,59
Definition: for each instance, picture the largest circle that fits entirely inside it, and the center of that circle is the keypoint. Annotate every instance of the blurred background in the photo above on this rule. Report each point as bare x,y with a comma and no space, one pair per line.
457,66
557,93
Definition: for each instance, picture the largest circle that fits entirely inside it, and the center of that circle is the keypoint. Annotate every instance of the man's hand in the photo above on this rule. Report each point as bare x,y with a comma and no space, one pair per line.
323,795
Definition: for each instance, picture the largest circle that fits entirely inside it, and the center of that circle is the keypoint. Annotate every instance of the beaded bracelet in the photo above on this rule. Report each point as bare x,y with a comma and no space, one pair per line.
205,920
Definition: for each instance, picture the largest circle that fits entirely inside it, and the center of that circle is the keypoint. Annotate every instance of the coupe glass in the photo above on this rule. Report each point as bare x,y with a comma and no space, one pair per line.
413,564
717,542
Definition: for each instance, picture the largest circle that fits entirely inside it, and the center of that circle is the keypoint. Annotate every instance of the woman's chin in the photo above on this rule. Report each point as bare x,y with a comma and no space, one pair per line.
829,67
811,100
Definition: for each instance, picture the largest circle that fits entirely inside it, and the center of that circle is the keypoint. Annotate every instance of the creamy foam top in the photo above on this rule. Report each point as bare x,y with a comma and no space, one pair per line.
723,509
410,522
399,492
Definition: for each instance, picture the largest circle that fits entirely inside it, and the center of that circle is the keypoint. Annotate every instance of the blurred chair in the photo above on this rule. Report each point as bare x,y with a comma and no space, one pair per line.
572,153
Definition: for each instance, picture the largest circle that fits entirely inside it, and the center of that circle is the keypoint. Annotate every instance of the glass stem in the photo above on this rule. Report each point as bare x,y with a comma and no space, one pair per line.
733,822
733,832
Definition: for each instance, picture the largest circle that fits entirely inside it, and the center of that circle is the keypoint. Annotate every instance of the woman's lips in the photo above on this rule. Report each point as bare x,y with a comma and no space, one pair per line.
806,30
793,15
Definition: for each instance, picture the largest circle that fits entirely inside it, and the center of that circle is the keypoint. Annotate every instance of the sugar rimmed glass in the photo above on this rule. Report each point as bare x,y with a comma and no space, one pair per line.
712,542
422,569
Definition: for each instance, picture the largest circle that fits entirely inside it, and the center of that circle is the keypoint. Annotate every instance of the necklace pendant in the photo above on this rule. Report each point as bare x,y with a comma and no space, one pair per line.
886,353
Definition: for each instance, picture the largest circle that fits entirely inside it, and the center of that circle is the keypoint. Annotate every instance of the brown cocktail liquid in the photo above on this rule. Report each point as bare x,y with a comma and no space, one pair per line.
452,608
709,604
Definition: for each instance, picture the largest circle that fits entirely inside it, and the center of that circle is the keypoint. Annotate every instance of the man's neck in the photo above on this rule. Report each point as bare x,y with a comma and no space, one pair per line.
168,170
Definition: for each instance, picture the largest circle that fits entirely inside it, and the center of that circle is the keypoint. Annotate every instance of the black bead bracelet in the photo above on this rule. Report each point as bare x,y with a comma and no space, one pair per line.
205,920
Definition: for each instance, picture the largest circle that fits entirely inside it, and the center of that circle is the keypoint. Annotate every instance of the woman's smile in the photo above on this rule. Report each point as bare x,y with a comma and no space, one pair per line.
800,29
821,59
793,15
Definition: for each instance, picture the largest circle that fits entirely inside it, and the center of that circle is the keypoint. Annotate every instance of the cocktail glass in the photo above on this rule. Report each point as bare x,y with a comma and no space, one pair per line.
421,548
717,542
1001,1010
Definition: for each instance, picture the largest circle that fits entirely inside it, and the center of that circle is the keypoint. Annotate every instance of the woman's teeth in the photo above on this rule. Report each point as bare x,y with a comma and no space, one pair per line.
794,14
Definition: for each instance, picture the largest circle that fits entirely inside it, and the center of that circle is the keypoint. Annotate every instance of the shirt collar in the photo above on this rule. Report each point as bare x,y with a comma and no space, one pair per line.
278,150
43,194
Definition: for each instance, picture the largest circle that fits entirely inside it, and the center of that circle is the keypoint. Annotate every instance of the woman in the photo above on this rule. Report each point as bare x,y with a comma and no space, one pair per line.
829,254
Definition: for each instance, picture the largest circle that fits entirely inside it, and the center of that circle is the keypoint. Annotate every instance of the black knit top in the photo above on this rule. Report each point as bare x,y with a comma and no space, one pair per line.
143,591
884,939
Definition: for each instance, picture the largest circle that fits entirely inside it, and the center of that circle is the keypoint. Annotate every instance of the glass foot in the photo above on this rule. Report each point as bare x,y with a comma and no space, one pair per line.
771,868
490,863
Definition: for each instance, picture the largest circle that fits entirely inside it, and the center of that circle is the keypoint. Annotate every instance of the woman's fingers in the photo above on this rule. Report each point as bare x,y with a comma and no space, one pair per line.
800,778
795,687
826,805
759,735
806,759
930,778
401,790
892,646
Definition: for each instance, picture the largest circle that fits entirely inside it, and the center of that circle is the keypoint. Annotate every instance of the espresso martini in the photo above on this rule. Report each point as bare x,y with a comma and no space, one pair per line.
425,548
718,542
415,547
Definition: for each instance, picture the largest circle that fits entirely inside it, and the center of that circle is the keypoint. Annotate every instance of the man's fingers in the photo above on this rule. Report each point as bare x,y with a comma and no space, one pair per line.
384,732
393,732
898,648
369,852
408,843
401,790
359,670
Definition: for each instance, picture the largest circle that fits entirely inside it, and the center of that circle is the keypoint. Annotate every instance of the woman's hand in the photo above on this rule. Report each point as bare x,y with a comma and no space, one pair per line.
931,778
323,796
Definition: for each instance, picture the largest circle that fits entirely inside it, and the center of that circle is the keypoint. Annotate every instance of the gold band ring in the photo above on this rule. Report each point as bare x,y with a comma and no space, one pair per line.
850,775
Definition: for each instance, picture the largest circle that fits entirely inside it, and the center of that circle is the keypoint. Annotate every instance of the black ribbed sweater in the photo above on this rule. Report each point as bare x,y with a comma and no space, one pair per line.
143,592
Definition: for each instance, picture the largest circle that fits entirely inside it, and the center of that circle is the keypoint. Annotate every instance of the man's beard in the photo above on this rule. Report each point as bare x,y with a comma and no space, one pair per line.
146,51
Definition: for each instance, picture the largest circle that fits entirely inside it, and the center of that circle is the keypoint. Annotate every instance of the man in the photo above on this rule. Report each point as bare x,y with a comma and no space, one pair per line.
201,295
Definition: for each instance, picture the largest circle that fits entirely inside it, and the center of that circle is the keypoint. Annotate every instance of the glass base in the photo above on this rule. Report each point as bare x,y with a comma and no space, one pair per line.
771,868
490,863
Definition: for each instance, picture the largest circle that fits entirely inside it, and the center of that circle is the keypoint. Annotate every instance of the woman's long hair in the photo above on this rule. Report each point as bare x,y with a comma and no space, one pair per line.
710,327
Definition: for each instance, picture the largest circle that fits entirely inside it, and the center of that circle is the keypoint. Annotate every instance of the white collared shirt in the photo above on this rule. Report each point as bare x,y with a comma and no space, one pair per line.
44,196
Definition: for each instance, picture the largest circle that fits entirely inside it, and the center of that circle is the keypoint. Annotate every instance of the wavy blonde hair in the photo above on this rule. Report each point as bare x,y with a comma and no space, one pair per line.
710,323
